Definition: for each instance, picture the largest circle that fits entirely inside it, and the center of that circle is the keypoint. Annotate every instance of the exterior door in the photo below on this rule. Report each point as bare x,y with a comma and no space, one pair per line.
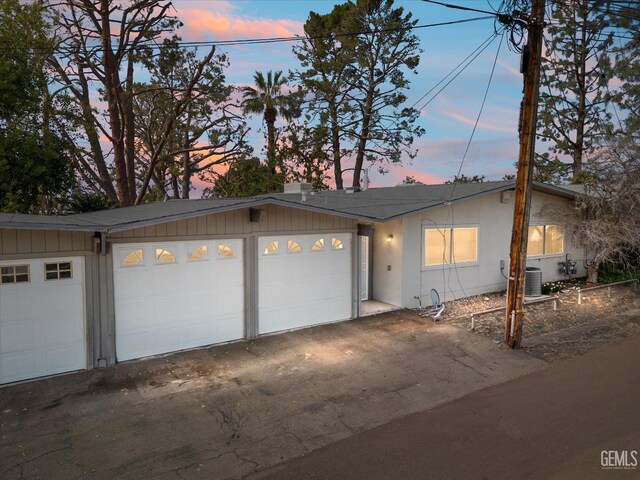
364,268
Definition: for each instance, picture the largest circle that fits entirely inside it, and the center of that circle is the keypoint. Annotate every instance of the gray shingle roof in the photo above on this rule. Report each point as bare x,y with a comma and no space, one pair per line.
373,205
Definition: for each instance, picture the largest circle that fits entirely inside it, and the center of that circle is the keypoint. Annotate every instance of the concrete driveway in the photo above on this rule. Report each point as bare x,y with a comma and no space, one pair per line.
226,411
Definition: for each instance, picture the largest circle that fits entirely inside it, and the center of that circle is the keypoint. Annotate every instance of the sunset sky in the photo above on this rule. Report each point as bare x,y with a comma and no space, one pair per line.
448,120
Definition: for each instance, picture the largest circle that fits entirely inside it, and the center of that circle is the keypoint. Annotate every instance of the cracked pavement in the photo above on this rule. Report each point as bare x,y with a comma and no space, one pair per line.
227,411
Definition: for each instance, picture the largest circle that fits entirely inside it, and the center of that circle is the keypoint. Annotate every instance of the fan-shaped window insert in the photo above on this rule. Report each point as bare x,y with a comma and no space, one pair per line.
272,248
164,256
199,253
134,257
318,245
293,247
225,251
336,244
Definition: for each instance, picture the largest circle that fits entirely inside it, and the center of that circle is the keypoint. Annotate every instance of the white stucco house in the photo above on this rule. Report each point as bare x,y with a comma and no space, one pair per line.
89,290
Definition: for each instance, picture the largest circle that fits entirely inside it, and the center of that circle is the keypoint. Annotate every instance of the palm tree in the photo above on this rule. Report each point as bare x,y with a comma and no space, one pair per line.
268,98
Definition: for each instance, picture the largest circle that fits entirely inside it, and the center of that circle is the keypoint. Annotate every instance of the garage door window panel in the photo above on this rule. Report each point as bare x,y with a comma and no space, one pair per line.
318,245
14,274
198,254
272,248
336,244
225,251
131,257
165,255
57,271
293,247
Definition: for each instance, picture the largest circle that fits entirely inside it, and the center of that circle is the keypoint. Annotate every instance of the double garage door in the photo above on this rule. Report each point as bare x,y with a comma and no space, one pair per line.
42,317
180,295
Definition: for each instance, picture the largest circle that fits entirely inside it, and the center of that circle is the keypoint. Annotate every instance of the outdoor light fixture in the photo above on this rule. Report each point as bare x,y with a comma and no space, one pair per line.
390,237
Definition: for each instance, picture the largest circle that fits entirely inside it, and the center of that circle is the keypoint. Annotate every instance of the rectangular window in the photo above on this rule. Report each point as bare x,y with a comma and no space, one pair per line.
545,240
450,245
57,271
14,274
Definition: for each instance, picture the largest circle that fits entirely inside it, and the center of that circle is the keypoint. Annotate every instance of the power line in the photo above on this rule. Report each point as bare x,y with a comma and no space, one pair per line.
484,46
475,125
261,41
460,7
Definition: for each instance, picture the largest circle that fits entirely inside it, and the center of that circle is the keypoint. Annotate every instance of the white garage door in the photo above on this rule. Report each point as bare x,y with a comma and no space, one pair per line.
304,280
177,295
42,327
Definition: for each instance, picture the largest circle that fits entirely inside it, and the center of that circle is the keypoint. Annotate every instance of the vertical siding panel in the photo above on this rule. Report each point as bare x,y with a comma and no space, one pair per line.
161,230
241,217
317,221
192,227
65,240
295,219
247,226
211,224
229,223
116,235
77,241
172,229
182,228
37,241
51,241
273,218
220,223
9,241
139,233
150,231
202,225
280,219
23,241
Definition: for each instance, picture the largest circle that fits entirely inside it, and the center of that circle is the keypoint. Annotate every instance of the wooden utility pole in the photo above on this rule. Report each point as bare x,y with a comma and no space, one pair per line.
531,57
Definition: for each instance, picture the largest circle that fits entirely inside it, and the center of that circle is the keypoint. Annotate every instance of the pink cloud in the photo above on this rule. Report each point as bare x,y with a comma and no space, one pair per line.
199,23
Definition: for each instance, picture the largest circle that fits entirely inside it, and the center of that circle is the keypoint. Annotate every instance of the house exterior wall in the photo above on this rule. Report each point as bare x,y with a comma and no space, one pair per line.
494,221
387,265
99,284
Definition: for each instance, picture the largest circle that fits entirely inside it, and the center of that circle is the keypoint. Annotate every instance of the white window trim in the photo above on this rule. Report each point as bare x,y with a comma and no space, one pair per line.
544,235
44,271
440,266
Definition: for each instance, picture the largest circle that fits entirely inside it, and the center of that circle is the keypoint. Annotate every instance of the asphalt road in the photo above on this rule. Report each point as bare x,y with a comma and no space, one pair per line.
551,424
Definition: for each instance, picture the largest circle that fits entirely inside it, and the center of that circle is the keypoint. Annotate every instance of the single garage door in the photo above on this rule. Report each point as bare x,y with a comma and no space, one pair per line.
304,280
42,327
177,295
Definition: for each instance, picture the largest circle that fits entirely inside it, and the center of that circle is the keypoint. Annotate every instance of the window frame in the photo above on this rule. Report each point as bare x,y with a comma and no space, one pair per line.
544,253
15,275
449,263
58,271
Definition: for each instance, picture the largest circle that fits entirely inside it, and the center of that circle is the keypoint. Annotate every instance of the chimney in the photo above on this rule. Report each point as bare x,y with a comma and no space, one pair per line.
297,187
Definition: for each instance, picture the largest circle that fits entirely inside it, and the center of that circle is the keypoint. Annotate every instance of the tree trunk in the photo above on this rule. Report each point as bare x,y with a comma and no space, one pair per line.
270,119
592,272
362,139
112,84
129,130
335,146
582,107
